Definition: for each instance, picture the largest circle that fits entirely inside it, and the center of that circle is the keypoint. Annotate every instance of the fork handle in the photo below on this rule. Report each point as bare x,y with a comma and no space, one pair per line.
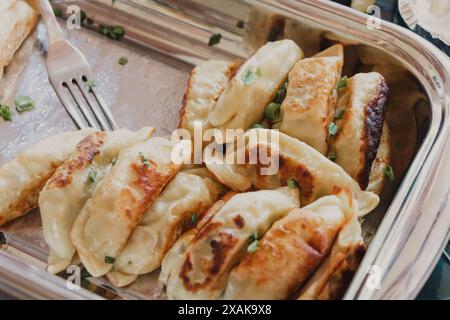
53,29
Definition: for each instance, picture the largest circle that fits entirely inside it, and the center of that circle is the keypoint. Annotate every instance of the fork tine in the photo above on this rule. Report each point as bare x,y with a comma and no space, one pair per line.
106,110
79,99
70,107
95,107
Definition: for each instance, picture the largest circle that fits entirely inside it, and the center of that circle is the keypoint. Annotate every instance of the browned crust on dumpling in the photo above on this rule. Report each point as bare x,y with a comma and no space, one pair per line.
286,244
27,200
85,152
373,129
220,246
288,169
343,275
149,182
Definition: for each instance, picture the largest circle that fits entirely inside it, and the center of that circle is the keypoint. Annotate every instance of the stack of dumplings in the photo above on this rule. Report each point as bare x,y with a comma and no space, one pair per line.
118,204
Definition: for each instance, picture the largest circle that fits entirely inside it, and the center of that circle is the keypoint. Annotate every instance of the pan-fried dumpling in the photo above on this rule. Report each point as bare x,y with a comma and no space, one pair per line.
174,256
361,111
180,205
71,185
22,178
311,98
219,244
119,201
377,176
292,250
206,83
254,85
18,19
290,159
330,281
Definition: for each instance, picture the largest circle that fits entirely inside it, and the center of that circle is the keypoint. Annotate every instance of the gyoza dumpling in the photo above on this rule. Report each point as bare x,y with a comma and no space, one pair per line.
377,176
174,257
206,83
291,250
180,205
360,125
119,201
219,244
254,85
71,185
290,159
22,178
18,19
311,98
330,281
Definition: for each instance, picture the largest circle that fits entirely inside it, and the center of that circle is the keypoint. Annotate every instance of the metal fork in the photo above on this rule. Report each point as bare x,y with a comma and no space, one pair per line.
71,77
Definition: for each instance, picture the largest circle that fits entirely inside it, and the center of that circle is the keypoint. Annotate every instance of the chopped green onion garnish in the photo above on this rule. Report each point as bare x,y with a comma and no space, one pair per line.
5,113
90,84
331,156
113,161
214,39
110,260
272,111
2,238
339,114
123,61
332,129
292,183
92,175
250,76
252,247
194,219
281,93
24,103
253,237
112,2
342,83
113,32
389,172
256,126
240,24
58,12
144,160
253,242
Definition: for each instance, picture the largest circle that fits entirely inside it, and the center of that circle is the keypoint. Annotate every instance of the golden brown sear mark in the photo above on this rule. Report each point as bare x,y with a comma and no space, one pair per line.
86,151
373,129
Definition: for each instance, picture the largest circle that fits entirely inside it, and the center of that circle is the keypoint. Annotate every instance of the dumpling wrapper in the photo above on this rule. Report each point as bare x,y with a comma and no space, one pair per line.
117,205
316,175
206,83
66,192
377,176
18,20
359,131
219,244
311,98
174,257
169,215
22,178
291,250
254,85
331,280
